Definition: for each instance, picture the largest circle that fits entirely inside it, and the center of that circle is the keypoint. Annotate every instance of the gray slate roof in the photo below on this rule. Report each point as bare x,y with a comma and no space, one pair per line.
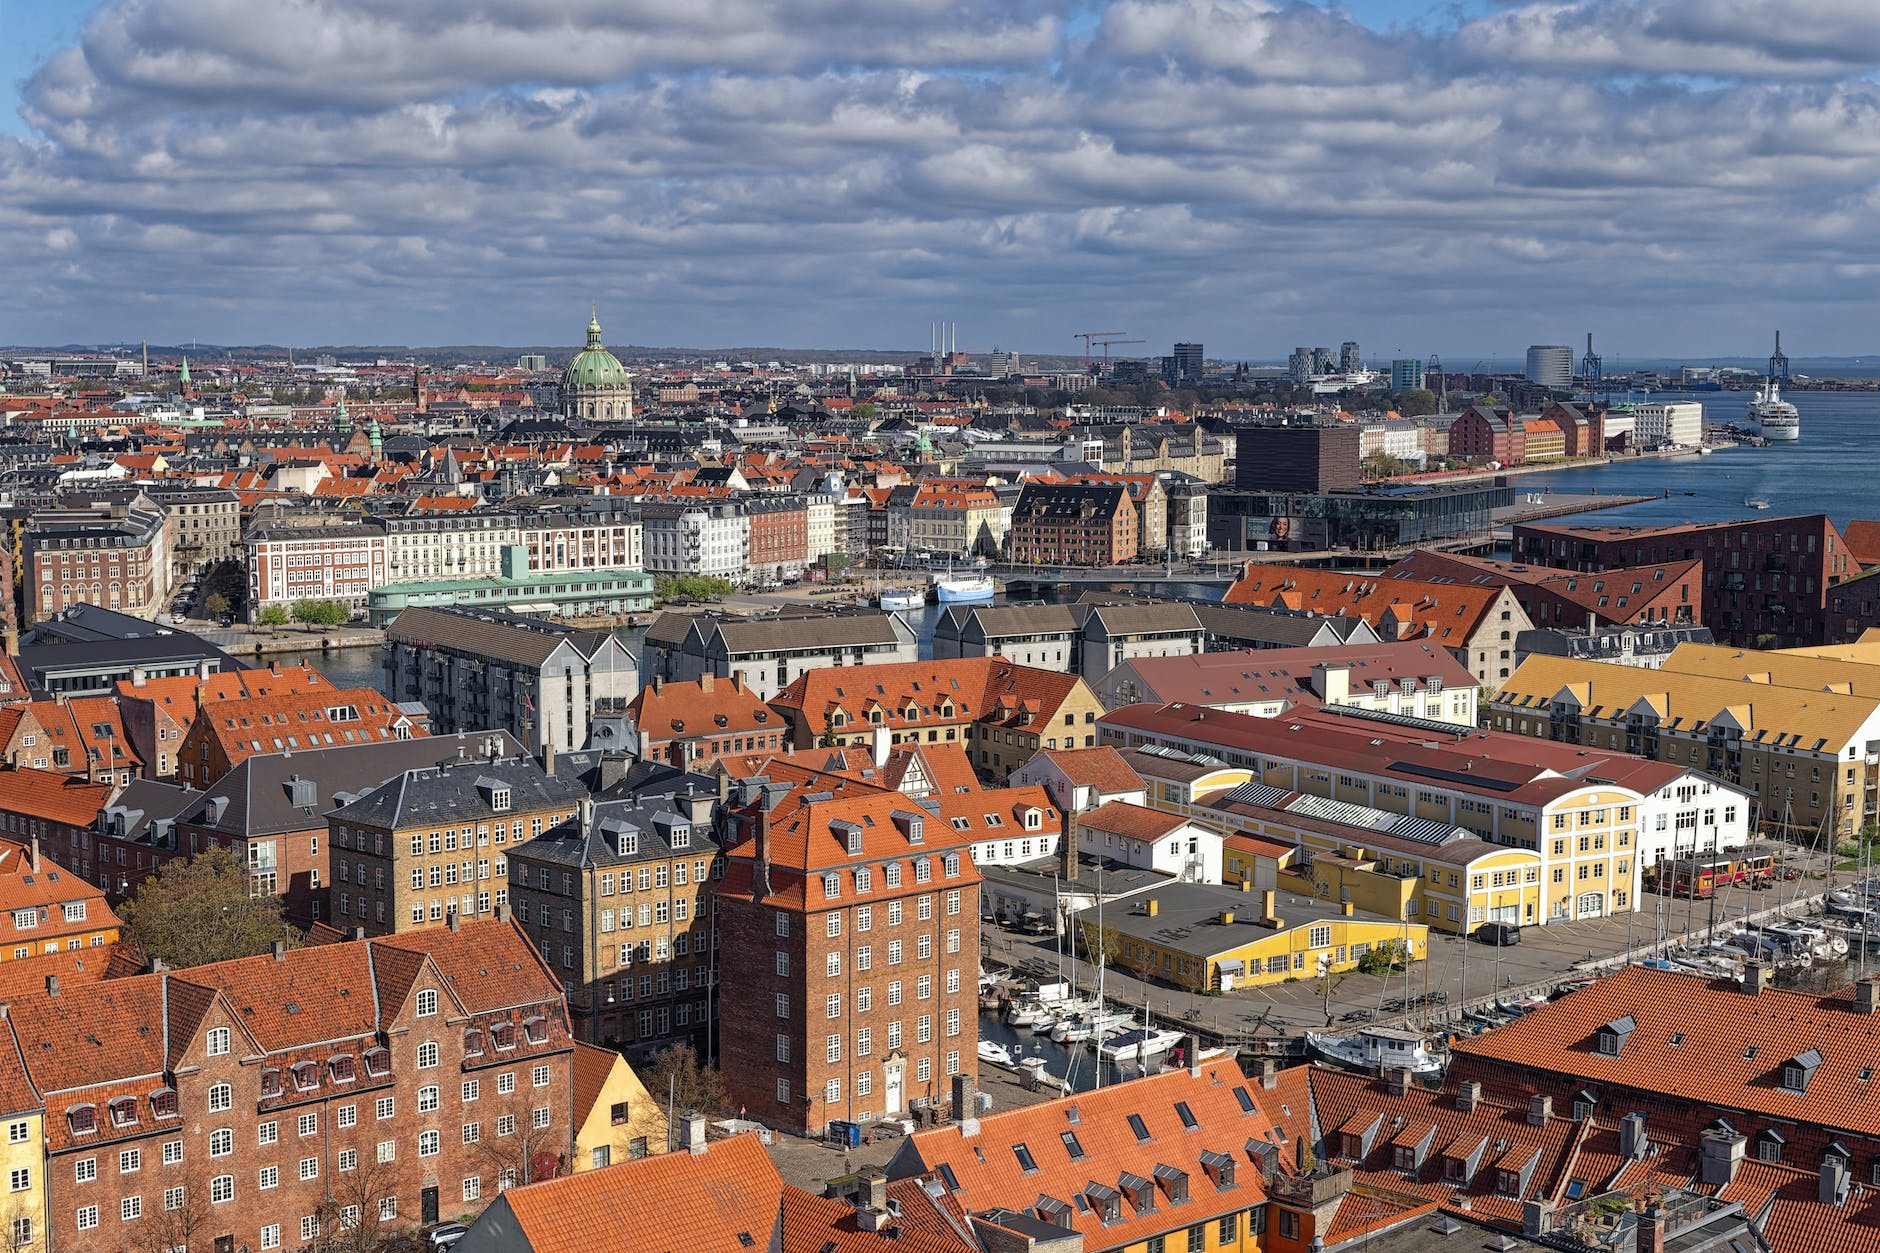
447,792
489,635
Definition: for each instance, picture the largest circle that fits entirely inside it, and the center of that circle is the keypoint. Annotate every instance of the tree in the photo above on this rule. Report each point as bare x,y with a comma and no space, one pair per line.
177,1211
1416,402
273,615
1328,981
216,603
1387,957
321,613
353,1218
865,412
689,587
519,1151
203,909
677,1077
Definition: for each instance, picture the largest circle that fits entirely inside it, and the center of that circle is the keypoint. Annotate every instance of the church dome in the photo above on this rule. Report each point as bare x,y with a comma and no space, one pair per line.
593,366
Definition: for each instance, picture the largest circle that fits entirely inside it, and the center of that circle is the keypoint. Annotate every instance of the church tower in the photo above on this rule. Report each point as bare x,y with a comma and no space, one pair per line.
595,386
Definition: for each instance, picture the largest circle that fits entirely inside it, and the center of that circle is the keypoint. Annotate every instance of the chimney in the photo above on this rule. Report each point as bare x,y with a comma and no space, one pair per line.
502,914
35,854
454,918
1866,996
1832,1190
1540,1110
1192,1045
1152,907
548,757
659,684
1469,1095
1269,907
1346,908
274,667
881,741
587,815
1632,1141
1651,1230
1720,1152
1755,978
876,1195
693,1129
1399,1080
52,985
1537,1219
1068,849
1269,1073
138,677
280,950
966,1103
202,674
355,933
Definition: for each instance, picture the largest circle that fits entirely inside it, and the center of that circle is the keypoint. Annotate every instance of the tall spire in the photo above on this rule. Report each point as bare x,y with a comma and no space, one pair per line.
594,326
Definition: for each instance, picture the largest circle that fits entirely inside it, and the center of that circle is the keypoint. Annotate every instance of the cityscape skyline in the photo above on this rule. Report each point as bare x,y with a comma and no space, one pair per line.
1666,173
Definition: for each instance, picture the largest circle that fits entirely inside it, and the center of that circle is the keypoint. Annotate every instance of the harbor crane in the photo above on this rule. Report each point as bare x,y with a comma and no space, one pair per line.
1089,336
1107,342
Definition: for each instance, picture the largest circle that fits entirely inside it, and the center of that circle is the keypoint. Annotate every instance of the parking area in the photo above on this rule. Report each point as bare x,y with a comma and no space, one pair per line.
1458,971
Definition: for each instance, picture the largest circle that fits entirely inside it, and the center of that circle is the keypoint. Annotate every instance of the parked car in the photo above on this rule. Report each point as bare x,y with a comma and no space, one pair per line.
1500,934
445,1236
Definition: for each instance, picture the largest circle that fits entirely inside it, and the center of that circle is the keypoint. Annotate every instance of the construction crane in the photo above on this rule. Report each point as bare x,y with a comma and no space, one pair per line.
1088,336
1107,342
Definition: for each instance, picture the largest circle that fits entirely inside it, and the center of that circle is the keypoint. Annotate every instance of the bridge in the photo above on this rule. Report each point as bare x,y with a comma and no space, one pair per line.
1215,573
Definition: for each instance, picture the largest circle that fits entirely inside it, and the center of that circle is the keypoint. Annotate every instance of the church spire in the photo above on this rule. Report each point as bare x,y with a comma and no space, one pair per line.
594,326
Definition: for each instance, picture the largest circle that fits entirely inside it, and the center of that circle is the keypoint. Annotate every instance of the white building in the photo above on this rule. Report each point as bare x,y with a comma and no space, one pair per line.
1082,779
1663,422
1150,839
467,545
584,540
1550,365
823,524
708,539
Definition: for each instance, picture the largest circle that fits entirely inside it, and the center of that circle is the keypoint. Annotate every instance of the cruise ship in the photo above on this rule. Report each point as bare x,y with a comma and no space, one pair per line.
1775,418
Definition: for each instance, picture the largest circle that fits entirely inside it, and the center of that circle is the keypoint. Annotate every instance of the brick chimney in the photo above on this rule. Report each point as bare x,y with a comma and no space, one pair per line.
1469,1096
1540,1110
1866,995
1651,1230
707,681
966,1103
1755,978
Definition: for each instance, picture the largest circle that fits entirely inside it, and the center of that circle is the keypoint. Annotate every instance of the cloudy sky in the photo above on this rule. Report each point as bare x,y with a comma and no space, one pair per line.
1679,177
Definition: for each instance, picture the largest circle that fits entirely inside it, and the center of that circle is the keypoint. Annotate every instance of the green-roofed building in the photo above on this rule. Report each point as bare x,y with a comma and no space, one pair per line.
595,386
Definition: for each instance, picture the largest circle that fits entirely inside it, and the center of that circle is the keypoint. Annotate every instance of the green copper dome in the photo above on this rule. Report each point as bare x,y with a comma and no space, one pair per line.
593,366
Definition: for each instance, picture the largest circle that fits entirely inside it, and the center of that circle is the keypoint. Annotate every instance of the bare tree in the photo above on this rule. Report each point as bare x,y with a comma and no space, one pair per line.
24,1228
179,1216
521,1151
354,1217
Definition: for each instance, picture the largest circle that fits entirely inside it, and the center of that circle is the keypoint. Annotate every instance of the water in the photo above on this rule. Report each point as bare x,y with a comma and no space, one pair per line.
1826,471
1078,1061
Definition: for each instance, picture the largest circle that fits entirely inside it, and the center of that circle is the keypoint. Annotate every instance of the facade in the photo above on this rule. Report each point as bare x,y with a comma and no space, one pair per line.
1668,593
205,525
1406,374
999,712
342,562
1150,839
586,534
849,932
1550,365
115,555
618,900
1376,518
226,732
772,651
615,1117
1668,422
1766,581
1074,525
269,1100
45,908
692,725
1297,458
779,536
708,539
544,594
440,835
1596,822
458,544
1089,638
1798,733
476,670
954,518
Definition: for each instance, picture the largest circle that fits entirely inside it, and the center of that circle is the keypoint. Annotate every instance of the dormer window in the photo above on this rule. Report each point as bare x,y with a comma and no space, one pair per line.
378,1063
1611,1038
270,1083
832,886
82,1119
536,1030
503,1035
864,880
124,1111
1034,819
1508,1182
1798,1070
473,1042
163,1103
923,869
306,1076
340,1069
681,837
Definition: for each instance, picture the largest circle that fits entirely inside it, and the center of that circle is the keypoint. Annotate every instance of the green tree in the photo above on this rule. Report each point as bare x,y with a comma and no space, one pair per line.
216,603
1387,957
201,909
689,587
865,412
1415,402
273,615
320,613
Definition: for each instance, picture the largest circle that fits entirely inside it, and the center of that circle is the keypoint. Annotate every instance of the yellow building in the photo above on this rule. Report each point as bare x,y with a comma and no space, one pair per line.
1174,781
1392,865
616,1118
1203,936
44,907
22,1155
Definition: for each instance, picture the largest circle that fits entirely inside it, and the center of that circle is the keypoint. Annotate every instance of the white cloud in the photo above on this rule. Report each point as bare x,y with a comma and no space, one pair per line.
842,171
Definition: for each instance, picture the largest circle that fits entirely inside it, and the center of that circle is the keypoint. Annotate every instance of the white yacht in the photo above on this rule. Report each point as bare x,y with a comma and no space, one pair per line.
996,1054
1775,418
1378,1049
1138,1045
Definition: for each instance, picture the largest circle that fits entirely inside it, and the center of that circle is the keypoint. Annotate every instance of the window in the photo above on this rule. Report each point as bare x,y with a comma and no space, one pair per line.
348,1160
221,1142
427,1055
221,1097
221,1189
268,1177
19,1179
540,1076
310,1227
86,1218
131,1208
347,1115
385,1107
218,1041
309,1168
130,1161
428,1143
427,1100
87,1169
427,1002
172,1152
307,1124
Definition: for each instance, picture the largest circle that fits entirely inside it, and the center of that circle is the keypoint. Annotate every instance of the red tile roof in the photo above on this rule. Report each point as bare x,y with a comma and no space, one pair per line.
1102,768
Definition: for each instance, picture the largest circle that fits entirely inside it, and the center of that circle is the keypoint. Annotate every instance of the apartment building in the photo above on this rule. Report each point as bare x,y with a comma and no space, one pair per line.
779,535
587,534
1596,819
692,725
1477,624
1000,712
849,936
268,1101
1090,637
770,652
1766,581
205,525
114,554
440,834
1668,593
338,561
458,544
712,539
618,900
45,907
1075,524
1798,731
540,681
953,518
225,732
1412,678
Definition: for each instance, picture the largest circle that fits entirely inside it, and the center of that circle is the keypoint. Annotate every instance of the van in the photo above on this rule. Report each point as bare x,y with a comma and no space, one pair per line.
1500,934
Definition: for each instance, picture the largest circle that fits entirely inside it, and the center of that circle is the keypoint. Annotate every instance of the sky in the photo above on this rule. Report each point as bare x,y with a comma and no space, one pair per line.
1679,178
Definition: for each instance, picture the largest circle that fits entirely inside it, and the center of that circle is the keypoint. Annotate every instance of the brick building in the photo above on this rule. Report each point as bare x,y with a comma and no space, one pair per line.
45,908
114,554
849,938
1767,581
1074,524
779,535
313,714
434,839
693,724
259,1103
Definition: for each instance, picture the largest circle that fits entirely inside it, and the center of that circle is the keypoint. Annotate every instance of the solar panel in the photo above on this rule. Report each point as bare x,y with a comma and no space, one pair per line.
1400,720
1257,794
1465,777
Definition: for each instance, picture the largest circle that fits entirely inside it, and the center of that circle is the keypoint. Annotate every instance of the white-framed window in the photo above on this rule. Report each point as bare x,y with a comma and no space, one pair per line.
221,1142
348,1160
472,1188
271,1236
172,1152
427,1100
385,1107
86,1219
308,1124
538,1117
130,1161
221,1097
221,1189
309,1226
86,1169
346,1115
427,1055
267,1133
268,1177
429,1142
540,1076
309,1168
427,1002
218,1041
131,1208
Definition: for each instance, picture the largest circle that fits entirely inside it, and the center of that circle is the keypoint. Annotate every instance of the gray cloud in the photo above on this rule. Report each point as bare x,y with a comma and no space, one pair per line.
842,171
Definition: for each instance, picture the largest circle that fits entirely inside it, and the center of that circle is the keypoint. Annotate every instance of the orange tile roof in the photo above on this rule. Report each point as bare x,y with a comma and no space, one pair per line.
695,1203
703,707
1102,768
592,1066
1449,613
919,694
1131,822
51,795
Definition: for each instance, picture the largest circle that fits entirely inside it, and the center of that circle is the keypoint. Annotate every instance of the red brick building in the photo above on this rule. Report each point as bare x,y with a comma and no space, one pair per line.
849,940
224,733
1767,581
257,1103
779,535
1074,524
694,724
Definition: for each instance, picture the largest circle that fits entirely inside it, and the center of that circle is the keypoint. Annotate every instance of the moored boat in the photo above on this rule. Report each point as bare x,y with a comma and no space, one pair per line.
1376,1049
